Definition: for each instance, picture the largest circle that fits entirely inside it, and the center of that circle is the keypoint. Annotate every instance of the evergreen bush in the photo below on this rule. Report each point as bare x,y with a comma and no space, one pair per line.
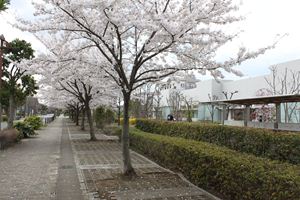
283,146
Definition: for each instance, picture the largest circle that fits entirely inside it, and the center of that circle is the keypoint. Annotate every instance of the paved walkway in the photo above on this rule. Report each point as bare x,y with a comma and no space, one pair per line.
67,187
61,163
99,168
29,170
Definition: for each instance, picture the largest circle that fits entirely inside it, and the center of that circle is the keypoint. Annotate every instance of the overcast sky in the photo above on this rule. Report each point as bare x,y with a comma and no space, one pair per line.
265,19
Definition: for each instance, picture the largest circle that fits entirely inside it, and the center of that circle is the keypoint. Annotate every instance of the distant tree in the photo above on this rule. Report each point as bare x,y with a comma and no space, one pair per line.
174,102
135,108
287,82
188,103
142,101
18,84
72,76
229,96
43,109
156,101
147,95
4,4
211,105
103,116
119,110
76,107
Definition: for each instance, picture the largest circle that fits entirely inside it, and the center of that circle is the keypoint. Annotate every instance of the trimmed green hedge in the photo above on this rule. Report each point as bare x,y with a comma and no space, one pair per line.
235,175
281,146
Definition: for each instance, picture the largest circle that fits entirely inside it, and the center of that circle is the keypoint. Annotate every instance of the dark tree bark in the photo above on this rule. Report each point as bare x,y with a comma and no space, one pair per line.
83,119
12,109
0,115
84,97
77,113
90,121
127,166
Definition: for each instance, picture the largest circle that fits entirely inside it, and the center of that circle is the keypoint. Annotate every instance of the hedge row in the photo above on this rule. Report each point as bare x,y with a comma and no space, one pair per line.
281,146
235,175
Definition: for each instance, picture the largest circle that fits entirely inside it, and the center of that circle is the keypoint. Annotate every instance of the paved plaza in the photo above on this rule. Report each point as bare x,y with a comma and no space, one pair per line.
61,163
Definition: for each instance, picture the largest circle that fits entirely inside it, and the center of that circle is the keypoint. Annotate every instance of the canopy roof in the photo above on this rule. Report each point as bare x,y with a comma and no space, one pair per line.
261,100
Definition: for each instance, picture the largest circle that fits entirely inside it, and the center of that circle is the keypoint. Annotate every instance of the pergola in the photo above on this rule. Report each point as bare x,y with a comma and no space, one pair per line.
247,102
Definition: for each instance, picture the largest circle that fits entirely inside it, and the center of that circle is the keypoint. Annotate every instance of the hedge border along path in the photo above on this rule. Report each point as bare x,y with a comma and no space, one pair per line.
235,175
283,146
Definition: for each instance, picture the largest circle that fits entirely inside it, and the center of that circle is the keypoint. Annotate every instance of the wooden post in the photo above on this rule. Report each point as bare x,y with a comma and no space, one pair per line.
278,116
246,115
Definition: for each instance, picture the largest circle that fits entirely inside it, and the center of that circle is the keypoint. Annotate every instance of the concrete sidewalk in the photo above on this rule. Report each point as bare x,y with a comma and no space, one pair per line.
99,167
41,167
29,170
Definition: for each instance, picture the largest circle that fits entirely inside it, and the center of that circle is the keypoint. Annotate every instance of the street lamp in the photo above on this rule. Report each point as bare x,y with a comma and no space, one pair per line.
3,44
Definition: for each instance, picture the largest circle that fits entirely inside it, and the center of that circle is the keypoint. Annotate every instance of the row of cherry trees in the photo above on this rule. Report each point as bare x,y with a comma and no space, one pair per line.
121,45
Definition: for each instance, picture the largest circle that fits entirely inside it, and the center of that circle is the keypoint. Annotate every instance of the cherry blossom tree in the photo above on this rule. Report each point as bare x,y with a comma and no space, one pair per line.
286,82
144,41
157,97
63,70
174,102
62,100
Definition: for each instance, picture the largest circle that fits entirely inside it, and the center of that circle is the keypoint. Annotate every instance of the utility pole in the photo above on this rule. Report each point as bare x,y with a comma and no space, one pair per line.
3,44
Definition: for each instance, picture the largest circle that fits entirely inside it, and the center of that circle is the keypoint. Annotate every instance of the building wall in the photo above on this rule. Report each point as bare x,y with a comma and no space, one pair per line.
247,88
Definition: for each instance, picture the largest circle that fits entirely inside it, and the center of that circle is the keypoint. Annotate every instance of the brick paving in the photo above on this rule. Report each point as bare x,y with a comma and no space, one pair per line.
67,186
99,167
29,170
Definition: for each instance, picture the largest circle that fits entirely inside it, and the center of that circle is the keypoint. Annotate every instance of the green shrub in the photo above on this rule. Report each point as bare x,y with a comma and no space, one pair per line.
109,116
34,121
237,176
99,117
4,118
281,146
25,129
103,116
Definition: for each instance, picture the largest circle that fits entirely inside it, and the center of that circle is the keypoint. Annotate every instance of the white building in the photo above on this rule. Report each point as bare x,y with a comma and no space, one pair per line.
208,90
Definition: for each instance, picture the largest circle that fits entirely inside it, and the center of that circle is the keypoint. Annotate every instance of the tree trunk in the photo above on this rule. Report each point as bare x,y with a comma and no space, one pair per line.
127,166
72,115
77,112
0,116
11,113
189,118
83,119
119,115
90,120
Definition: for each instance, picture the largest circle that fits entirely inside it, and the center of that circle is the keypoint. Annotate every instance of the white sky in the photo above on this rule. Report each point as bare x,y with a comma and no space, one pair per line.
264,20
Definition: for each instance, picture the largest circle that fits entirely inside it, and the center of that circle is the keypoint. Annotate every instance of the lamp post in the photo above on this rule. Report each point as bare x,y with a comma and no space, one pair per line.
3,44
